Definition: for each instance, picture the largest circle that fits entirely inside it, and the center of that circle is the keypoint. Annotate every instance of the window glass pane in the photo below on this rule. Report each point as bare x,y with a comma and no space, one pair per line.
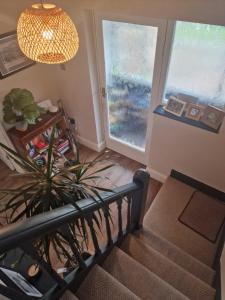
129,62
197,66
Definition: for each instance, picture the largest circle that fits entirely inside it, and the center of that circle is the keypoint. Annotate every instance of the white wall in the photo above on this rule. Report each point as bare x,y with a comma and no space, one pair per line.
191,150
75,85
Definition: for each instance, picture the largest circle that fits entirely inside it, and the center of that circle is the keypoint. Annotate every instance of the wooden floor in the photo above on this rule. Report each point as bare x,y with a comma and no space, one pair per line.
118,175
123,171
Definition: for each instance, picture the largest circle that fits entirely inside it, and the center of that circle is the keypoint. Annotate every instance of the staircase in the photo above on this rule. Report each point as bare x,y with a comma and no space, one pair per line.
138,264
147,267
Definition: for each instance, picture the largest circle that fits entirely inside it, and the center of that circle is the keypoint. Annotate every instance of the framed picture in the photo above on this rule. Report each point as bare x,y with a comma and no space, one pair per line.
175,106
188,99
213,117
12,60
194,111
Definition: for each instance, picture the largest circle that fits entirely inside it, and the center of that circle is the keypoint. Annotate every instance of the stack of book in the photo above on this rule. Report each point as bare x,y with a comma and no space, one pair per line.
63,146
41,146
38,147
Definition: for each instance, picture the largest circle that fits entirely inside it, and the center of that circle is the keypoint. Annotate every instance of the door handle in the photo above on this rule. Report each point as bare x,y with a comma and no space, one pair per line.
104,94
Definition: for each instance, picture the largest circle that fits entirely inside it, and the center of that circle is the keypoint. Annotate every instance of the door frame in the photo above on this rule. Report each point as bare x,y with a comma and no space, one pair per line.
112,143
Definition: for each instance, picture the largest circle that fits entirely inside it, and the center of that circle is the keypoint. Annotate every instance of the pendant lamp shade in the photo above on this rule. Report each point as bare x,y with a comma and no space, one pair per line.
46,34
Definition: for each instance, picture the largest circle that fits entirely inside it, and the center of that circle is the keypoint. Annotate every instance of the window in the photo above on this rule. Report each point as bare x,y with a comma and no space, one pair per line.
197,63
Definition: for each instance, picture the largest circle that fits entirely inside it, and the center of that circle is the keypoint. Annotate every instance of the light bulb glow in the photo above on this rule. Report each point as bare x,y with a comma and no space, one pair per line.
48,34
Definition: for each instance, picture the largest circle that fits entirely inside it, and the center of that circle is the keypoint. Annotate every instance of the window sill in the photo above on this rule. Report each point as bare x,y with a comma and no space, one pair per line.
160,111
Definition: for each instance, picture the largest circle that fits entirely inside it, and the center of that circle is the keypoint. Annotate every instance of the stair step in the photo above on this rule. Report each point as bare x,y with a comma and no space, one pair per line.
176,276
139,279
100,285
177,255
68,295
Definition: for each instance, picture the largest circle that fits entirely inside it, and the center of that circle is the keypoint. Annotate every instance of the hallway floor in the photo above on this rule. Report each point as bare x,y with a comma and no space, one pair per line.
121,173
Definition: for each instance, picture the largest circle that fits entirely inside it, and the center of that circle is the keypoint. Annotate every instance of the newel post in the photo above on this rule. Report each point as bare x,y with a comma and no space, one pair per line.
139,198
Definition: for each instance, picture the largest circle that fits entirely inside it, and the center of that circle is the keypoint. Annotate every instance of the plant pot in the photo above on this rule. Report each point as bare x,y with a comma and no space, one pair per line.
22,126
85,255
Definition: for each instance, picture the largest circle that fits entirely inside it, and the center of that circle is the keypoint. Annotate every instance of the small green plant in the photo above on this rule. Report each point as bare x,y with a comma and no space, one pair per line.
19,105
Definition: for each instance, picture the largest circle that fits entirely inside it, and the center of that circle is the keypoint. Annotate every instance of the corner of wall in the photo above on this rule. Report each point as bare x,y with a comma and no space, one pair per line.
90,38
157,175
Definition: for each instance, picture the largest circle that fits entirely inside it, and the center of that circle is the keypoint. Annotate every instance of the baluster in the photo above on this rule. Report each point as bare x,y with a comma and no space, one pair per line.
74,249
128,212
89,219
119,206
107,223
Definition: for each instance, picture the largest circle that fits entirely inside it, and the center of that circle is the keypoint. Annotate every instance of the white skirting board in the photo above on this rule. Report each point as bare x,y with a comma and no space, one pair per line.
157,175
96,147
100,147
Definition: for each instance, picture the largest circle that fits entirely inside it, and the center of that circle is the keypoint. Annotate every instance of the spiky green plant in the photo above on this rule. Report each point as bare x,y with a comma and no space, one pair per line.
50,188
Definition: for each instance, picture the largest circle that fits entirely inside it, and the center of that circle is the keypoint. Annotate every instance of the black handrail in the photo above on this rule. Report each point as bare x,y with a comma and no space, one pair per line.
13,235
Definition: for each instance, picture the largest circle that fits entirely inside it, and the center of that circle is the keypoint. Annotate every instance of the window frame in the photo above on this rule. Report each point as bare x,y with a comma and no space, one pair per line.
168,48
167,51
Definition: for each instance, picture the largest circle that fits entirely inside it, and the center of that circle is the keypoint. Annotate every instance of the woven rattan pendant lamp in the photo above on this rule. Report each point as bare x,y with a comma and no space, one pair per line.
46,34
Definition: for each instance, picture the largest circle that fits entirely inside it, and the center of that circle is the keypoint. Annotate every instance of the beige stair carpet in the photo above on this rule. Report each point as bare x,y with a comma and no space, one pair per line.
163,215
100,285
139,279
179,278
177,255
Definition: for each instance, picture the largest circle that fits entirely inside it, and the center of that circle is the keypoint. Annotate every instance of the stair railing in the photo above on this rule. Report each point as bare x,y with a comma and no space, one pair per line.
18,237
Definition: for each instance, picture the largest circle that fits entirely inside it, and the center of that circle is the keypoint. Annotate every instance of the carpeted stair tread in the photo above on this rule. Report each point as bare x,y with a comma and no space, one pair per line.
176,276
177,255
68,295
100,285
139,279
163,218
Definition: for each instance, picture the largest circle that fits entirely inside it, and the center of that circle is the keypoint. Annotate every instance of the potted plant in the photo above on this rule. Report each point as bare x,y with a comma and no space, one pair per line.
20,108
49,188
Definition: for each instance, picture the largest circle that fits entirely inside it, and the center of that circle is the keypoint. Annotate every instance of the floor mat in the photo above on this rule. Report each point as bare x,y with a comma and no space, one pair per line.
205,215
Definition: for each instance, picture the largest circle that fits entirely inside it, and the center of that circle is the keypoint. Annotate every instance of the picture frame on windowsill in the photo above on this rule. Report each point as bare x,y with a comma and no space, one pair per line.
194,111
188,99
175,106
212,117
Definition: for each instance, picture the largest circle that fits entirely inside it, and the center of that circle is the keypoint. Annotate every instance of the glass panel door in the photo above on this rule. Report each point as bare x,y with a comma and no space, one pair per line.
129,53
